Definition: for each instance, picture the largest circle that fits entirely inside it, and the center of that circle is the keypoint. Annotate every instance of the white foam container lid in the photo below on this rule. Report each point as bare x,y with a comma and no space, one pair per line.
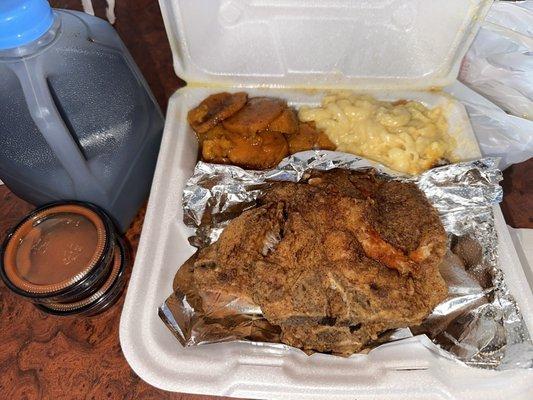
390,48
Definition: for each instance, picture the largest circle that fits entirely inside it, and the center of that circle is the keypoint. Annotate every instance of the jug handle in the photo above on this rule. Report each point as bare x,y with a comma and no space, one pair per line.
50,123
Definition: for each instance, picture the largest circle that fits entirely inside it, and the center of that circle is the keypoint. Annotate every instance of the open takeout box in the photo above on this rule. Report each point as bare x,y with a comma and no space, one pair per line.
295,49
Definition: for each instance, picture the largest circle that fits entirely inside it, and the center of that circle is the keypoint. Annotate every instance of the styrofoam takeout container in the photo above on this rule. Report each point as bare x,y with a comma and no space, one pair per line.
393,48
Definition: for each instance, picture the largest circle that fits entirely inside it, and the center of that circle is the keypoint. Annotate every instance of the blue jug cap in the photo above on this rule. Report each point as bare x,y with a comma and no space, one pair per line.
23,21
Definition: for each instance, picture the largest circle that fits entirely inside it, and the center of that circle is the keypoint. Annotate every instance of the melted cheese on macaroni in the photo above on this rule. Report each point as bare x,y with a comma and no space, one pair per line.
405,136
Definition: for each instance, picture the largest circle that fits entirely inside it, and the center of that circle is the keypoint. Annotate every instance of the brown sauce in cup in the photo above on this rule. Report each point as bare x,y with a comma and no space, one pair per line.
57,248
54,249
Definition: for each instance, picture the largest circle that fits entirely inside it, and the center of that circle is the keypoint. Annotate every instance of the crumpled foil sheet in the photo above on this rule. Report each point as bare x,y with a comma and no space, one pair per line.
479,323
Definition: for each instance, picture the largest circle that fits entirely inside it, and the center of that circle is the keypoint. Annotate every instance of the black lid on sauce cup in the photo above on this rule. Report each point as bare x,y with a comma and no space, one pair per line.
59,252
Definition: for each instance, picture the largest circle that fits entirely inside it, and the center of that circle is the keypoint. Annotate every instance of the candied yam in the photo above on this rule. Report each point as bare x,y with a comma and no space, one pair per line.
260,151
308,138
216,144
215,109
323,142
216,151
255,115
214,132
286,123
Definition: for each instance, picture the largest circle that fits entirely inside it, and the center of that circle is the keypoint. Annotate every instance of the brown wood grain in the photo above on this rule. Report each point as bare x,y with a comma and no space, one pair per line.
47,357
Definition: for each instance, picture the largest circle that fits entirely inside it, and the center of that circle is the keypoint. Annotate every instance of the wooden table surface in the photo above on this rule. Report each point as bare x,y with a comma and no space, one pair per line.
47,357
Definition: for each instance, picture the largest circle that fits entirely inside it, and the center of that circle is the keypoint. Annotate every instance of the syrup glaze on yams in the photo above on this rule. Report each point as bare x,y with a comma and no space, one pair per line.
255,133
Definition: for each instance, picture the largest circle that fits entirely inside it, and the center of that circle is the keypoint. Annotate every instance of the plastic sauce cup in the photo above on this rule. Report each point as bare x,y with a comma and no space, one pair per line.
66,257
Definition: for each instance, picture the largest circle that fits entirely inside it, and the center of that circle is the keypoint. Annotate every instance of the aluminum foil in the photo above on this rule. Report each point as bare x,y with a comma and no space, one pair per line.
479,323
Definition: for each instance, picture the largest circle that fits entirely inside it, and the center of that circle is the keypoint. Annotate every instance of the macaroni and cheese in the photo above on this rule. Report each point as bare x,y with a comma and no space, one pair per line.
404,135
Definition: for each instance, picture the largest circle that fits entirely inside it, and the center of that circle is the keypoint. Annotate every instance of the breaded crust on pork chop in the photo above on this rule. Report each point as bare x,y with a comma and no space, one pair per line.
333,261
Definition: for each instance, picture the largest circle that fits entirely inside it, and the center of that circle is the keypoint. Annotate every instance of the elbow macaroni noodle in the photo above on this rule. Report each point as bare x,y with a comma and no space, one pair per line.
405,136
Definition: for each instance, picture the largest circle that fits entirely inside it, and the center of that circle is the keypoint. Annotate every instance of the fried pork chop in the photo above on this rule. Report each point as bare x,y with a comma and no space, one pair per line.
334,261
